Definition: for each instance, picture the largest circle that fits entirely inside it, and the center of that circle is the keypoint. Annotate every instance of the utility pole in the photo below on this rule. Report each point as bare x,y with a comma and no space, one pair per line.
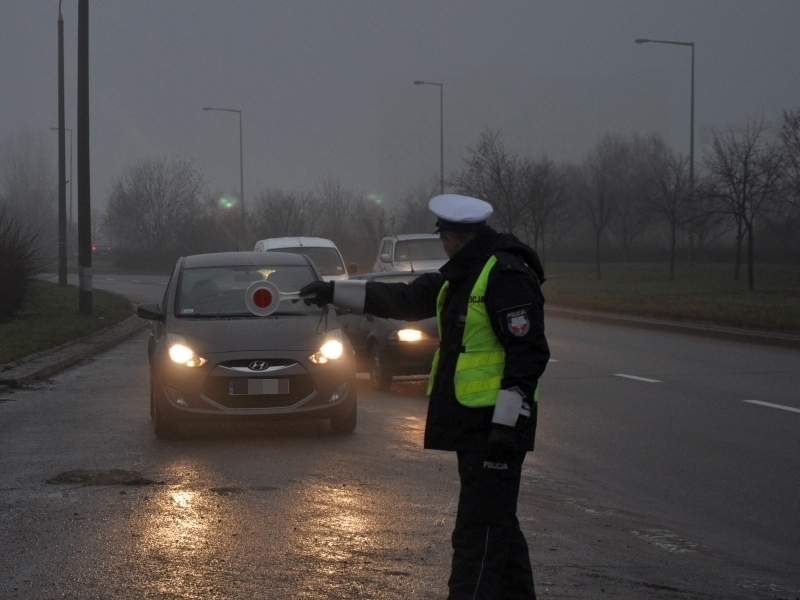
84,188
62,166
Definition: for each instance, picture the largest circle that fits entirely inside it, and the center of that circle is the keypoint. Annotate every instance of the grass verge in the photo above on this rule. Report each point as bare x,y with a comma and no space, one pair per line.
50,317
707,293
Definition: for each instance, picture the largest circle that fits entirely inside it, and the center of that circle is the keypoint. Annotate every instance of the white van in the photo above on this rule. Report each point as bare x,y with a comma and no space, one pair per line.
410,252
323,253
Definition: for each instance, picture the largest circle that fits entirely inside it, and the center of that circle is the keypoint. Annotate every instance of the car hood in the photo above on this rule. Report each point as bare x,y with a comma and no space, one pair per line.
242,335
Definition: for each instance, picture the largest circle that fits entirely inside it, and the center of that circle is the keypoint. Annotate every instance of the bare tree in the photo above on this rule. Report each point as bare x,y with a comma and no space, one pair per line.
603,182
370,224
281,214
335,207
670,197
21,257
28,185
744,171
493,173
790,138
632,188
153,202
412,215
543,189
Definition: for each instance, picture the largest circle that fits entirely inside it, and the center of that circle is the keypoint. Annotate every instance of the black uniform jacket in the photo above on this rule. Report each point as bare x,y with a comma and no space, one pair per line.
515,306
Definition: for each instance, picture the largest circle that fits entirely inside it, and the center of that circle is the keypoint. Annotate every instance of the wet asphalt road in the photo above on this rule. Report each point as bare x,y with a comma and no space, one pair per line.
664,483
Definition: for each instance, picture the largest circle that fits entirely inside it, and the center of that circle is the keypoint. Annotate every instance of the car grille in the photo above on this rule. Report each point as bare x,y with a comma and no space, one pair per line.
300,387
243,363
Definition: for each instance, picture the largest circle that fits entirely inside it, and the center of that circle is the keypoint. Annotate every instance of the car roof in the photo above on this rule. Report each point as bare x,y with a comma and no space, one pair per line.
294,242
415,236
228,259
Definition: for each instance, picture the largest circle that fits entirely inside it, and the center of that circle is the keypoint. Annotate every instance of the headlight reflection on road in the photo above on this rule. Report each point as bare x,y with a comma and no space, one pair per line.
177,542
410,430
178,526
339,525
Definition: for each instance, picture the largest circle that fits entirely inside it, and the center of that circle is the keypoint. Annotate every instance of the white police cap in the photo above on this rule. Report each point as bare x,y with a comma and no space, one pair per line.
459,213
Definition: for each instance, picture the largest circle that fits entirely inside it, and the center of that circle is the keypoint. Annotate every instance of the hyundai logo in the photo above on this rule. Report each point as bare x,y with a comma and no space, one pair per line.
258,365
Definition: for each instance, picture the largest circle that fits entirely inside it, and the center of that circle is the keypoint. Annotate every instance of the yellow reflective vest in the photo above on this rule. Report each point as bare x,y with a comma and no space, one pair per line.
480,367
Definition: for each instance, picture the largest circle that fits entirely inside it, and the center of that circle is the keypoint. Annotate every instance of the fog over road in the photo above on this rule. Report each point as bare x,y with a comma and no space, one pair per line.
655,476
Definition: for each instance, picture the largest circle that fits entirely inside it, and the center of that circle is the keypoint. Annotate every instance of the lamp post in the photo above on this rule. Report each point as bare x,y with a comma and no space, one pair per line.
62,193
84,169
241,164
441,129
70,172
691,118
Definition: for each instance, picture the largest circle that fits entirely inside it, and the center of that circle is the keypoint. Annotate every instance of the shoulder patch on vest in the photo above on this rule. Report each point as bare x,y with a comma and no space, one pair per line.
518,322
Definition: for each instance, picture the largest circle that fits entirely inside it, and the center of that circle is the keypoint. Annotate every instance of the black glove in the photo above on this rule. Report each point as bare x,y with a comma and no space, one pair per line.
318,292
502,441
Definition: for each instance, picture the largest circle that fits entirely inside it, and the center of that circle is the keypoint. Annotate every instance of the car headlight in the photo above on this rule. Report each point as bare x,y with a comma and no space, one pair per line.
330,350
181,353
407,335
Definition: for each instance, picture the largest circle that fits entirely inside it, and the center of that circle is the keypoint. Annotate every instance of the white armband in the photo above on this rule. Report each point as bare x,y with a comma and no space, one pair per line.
507,408
350,295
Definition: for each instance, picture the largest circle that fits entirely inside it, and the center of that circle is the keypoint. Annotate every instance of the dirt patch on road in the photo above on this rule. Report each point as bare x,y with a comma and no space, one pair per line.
101,477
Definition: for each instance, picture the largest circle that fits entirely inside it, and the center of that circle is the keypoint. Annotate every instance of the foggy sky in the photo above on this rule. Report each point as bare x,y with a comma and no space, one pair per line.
325,88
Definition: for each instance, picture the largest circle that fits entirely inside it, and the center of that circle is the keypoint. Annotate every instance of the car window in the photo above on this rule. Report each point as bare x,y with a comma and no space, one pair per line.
327,260
424,249
213,291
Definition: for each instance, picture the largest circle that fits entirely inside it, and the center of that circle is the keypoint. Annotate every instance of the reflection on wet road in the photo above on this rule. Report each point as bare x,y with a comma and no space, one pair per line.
293,511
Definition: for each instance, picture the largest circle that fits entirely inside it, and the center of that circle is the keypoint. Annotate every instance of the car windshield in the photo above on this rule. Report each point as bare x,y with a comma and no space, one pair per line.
425,249
219,291
327,260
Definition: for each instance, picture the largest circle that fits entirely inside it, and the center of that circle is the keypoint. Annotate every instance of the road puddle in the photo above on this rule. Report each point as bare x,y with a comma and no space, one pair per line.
87,477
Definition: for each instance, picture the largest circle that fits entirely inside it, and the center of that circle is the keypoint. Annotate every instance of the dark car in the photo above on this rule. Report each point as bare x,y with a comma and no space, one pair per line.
212,358
389,347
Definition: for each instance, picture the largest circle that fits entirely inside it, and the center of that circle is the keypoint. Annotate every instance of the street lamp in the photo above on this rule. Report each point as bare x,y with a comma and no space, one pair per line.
241,164
62,193
691,118
441,129
70,172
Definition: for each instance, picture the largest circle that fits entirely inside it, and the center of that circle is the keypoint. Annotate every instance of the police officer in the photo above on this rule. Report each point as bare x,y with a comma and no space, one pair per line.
484,382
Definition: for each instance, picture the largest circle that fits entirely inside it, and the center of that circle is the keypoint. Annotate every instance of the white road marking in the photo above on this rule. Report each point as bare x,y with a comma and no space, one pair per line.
636,378
771,405
552,360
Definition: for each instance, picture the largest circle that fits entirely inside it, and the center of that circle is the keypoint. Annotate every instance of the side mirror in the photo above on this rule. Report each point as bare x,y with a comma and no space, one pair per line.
352,269
385,258
151,312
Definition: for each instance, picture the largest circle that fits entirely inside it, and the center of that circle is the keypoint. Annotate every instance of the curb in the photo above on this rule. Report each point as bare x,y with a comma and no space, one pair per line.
47,362
736,334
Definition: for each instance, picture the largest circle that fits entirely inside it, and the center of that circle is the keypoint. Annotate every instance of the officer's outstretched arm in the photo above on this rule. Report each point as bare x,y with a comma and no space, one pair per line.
343,294
409,302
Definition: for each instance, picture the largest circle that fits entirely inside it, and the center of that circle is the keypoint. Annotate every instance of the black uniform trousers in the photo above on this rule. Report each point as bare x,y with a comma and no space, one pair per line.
490,554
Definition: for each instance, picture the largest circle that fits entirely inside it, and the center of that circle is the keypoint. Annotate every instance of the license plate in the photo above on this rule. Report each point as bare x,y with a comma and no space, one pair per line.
257,387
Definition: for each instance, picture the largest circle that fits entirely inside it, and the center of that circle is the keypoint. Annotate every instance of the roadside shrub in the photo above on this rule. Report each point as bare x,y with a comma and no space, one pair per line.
21,257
